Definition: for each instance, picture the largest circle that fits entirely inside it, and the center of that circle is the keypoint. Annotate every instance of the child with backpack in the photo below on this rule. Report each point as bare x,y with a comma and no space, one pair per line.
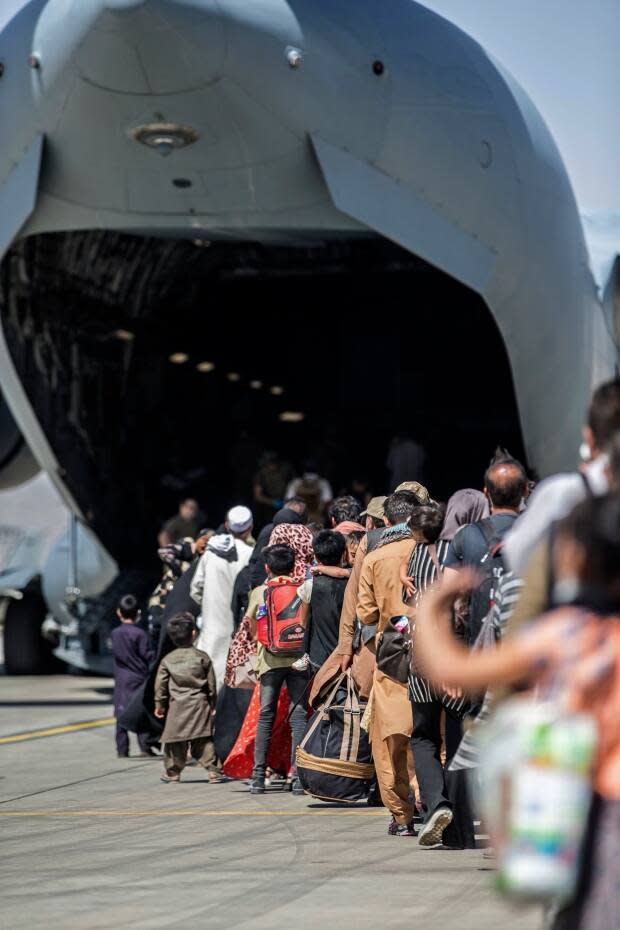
185,695
277,612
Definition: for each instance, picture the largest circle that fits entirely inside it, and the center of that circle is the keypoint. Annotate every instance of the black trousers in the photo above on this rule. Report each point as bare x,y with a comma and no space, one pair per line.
438,786
270,686
122,740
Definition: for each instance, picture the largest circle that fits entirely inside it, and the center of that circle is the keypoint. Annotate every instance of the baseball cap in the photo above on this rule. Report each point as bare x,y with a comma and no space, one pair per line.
375,508
416,488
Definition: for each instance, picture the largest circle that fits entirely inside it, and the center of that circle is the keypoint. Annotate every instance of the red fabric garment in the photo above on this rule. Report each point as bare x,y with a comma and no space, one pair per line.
240,761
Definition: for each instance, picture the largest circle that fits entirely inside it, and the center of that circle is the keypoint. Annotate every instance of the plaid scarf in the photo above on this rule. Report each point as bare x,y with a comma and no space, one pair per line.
393,534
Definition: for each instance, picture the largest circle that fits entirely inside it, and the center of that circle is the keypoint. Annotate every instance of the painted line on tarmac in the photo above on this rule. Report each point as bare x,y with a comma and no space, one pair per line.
191,813
56,731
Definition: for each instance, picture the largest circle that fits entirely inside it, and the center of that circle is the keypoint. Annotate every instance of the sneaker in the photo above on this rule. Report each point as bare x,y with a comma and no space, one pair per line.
431,833
400,829
300,665
488,852
296,787
257,786
169,779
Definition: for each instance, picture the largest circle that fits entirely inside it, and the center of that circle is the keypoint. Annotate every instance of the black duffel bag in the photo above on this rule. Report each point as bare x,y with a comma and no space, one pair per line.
394,648
334,759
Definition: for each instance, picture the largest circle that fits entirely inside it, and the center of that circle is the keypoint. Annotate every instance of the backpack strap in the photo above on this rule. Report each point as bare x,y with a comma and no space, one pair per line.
586,484
493,540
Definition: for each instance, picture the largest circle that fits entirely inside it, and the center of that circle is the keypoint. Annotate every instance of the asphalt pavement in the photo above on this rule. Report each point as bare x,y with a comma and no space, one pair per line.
91,842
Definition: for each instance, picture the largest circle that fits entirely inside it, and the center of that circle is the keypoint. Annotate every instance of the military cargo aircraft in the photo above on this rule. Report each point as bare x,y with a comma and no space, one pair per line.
224,214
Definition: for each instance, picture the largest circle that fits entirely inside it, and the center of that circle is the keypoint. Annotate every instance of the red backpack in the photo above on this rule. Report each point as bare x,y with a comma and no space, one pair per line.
279,627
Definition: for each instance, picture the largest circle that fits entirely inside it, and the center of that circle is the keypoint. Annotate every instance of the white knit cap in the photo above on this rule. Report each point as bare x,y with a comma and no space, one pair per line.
239,519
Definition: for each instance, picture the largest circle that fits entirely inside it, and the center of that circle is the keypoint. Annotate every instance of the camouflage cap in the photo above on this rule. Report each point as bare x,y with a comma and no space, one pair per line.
416,488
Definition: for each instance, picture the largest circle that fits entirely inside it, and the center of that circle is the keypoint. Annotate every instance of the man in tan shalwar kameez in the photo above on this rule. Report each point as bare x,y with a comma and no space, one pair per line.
379,599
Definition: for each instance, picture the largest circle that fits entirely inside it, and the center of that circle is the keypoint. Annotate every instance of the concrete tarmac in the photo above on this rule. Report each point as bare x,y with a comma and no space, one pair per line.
91,842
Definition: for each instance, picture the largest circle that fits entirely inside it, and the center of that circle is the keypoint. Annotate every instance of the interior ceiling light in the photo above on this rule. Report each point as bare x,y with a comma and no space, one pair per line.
233,376
256,385
125,335
164,137
205,366
292,416
178,358
276,390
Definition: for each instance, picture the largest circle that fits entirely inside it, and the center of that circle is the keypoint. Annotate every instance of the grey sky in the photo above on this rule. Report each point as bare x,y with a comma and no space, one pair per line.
565,55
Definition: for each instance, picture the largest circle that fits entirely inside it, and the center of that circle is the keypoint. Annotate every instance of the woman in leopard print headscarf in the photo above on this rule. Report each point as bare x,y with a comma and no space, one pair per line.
299,538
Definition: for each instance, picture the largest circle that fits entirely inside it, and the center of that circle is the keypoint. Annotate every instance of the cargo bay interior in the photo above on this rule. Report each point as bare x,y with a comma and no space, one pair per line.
159,367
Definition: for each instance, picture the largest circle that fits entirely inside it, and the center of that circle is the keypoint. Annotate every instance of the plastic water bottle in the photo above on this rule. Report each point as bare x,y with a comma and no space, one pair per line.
540,801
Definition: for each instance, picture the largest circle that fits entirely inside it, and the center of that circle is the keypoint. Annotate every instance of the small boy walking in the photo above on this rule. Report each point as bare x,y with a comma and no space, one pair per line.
132,657
185,695
276,670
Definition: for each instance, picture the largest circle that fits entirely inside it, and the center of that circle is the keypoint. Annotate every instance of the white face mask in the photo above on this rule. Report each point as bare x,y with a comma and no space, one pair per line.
585,453
565,590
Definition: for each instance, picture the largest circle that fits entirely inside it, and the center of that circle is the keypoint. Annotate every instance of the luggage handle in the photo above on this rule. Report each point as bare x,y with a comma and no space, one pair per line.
351,726
321,711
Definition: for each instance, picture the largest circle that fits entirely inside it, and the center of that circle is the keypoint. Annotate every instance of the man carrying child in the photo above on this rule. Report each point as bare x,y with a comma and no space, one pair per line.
185,695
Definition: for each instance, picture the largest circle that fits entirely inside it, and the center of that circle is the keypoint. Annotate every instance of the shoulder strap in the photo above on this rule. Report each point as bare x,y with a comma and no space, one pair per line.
490,534
586,484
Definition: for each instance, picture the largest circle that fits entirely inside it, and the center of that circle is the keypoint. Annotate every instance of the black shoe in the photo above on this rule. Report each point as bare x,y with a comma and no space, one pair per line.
296,787
374,797
122,755
258,785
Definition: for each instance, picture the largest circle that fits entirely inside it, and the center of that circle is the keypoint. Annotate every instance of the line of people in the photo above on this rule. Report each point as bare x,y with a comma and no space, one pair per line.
457,578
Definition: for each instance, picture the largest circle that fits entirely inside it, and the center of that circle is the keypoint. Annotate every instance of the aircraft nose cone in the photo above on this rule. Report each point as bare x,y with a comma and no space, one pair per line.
131,46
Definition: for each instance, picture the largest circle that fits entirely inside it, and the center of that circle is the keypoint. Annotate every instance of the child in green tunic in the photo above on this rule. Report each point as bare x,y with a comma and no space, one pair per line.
185,695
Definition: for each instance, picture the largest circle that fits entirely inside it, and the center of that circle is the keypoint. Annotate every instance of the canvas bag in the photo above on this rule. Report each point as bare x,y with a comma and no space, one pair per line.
334,758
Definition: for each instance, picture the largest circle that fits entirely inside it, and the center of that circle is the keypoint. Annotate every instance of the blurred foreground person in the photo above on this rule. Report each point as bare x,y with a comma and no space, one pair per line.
572,654
132,657
185,696
556,496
